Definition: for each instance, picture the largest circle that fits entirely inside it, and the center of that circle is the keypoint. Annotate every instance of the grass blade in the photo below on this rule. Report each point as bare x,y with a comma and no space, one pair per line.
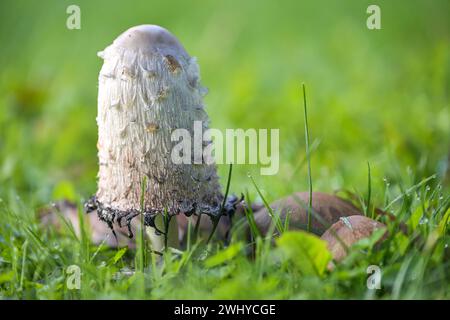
216,219
369,192
141,242
275,218
308,157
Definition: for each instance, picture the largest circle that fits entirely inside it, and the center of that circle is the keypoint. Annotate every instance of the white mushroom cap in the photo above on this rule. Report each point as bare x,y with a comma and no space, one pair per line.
149,86
150,38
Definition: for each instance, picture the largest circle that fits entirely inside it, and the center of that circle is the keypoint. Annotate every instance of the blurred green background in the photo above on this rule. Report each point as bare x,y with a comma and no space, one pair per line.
378,96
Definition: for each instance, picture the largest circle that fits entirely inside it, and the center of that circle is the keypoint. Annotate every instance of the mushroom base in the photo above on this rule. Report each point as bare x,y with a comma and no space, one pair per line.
110,215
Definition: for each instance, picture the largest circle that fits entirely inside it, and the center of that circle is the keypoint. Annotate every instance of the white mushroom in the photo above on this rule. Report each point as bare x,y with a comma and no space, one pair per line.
149,86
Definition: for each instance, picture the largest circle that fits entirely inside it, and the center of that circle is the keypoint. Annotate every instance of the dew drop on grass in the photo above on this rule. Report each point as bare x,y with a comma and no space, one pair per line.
346,222
423,220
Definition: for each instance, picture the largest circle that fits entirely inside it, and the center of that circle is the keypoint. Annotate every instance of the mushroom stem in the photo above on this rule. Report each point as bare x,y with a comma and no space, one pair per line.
160,242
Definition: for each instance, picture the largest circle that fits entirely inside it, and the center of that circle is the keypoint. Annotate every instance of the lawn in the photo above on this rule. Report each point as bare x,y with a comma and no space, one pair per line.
376,98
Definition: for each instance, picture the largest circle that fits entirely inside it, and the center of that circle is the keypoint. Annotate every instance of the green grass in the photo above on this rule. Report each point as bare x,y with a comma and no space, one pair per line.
378,97
414,264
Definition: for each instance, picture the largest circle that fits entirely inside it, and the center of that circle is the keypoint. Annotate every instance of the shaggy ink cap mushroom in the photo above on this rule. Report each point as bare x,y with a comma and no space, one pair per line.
148,87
